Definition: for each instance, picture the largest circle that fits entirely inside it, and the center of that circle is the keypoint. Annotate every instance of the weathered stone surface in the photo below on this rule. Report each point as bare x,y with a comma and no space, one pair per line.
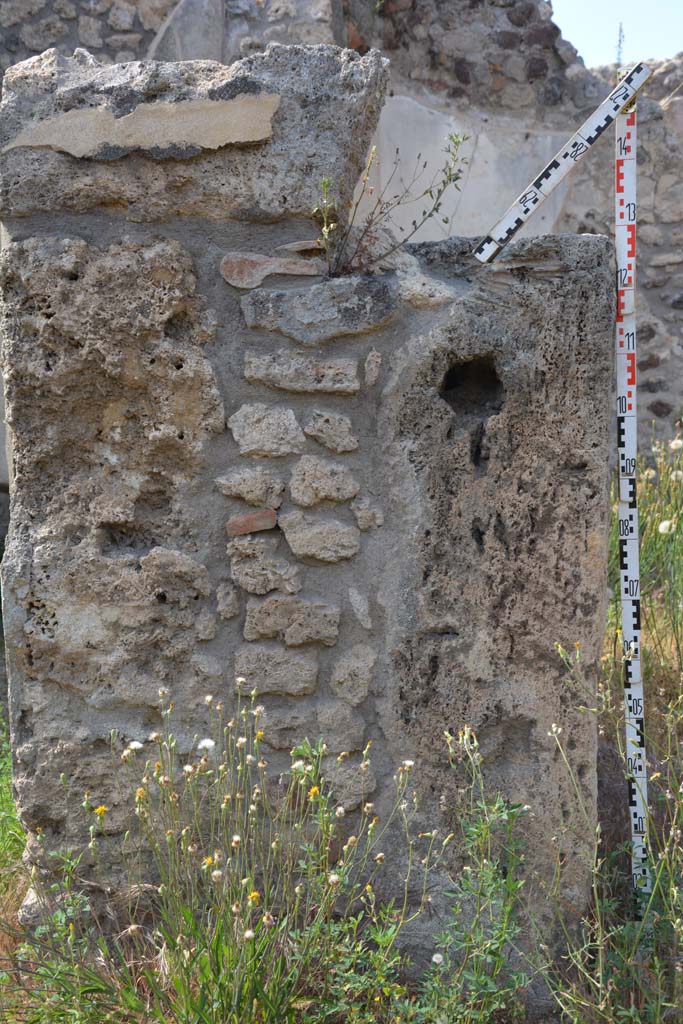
367,515
352,674
341,727
327,94
314,480
266,430
333,430
290,372
326,540
251,522
256,568
256,486
227,601
250,269
336,308
373,362
272,670
293,619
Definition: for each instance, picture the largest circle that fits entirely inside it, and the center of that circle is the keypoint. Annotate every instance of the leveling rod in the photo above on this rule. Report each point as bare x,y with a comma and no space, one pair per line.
562,163
619,107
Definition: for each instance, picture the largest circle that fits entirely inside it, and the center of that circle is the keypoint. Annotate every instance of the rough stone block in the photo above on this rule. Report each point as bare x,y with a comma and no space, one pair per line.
333,430
336,308
293,619
256,486
325,540
256,569
352,675
266,430
314,480
296,373
274,671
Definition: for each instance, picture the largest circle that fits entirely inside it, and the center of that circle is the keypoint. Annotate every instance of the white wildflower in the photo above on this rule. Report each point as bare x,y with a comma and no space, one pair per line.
208,700
667,526
135,745
249,934
206,744
676,444
437,959
333,879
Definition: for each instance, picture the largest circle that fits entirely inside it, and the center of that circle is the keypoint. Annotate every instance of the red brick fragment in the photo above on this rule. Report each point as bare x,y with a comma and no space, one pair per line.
251,522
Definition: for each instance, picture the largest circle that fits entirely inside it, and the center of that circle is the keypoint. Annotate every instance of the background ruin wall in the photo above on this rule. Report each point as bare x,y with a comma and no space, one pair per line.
379,498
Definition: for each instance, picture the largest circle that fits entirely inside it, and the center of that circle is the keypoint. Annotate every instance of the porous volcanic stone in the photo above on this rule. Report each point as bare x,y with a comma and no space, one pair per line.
333,309
326,540
273,670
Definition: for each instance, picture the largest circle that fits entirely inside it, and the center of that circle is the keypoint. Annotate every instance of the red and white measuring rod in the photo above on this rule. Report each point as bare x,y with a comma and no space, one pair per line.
627,450
568,157
620,106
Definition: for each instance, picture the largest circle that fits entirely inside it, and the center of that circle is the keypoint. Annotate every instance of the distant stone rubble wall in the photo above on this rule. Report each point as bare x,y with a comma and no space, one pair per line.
380,498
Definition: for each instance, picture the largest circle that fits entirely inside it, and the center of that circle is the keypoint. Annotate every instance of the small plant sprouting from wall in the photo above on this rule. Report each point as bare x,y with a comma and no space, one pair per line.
353,247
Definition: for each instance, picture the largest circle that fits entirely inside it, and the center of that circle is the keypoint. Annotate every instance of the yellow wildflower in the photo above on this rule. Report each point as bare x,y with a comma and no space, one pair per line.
313,792
100,811
255,897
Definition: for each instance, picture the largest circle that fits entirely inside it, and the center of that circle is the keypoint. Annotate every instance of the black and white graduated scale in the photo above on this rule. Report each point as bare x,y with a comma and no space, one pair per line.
619,107
625,232
562,163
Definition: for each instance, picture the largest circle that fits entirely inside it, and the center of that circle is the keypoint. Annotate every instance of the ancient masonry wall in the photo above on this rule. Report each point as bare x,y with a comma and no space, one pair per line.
379,498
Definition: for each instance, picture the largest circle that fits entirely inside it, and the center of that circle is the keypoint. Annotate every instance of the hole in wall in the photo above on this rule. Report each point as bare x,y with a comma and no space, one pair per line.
473,388
474,392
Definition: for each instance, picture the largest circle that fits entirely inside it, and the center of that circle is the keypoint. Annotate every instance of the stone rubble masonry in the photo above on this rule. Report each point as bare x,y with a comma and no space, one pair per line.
422,541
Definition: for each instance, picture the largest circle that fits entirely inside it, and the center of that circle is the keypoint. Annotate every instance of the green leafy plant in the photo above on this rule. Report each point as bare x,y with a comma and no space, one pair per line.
264,904
352,246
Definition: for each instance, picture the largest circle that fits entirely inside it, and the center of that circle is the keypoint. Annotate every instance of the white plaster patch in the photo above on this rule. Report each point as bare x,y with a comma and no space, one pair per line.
206,123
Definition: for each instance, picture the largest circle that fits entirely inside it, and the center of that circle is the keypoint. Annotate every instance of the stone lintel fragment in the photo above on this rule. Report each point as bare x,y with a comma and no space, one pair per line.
274,670
325,540
333,309
250,269
302,374
251,522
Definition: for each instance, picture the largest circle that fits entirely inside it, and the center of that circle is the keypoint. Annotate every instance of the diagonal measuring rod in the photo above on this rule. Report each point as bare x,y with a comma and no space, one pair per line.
618,107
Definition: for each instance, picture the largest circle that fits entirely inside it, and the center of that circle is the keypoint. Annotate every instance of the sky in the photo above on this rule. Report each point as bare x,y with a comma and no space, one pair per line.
652,28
